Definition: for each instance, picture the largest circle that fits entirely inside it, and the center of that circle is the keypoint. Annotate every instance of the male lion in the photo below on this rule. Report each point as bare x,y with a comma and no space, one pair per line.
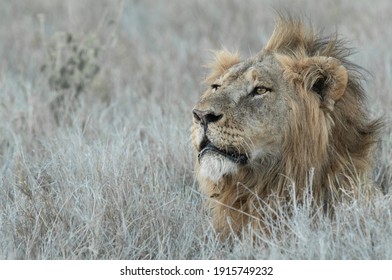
266,123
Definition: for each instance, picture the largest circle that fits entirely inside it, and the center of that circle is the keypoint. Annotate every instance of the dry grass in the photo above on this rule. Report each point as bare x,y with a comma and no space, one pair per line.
105,172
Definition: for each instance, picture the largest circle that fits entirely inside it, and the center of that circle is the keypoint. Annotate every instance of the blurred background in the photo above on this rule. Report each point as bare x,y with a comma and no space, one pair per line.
159,47
95,115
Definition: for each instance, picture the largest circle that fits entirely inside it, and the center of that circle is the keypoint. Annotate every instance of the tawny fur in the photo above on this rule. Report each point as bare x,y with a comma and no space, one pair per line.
326,147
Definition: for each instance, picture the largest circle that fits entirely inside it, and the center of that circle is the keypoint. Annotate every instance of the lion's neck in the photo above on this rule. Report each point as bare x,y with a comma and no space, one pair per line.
274,176
244,196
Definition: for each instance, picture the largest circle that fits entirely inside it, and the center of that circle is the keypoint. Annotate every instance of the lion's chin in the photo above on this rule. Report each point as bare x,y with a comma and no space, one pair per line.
214,167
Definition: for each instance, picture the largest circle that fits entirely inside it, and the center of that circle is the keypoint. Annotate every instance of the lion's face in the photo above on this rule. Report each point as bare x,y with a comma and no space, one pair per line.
241,117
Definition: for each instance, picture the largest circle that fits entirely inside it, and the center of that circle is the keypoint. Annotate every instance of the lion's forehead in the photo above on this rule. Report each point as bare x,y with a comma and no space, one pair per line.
245,79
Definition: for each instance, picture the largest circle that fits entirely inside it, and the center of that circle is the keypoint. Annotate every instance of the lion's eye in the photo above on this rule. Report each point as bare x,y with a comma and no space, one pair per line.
260,91
215,87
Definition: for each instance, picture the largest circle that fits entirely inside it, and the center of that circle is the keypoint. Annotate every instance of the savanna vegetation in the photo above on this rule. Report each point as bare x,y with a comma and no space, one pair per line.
95,116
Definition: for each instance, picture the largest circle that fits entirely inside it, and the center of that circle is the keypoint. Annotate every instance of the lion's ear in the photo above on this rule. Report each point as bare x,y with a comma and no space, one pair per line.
223,60
325,76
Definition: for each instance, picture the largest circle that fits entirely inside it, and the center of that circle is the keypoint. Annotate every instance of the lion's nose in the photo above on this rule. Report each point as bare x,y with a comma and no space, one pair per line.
206,117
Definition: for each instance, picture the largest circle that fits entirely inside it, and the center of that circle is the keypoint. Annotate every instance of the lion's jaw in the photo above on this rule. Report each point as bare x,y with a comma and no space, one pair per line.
214,162
214,167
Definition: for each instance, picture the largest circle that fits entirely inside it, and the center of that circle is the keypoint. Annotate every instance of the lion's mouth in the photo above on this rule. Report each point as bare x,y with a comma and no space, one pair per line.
236,157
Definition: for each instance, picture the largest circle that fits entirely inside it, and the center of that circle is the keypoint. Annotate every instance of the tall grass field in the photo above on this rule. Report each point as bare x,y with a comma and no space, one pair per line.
95,114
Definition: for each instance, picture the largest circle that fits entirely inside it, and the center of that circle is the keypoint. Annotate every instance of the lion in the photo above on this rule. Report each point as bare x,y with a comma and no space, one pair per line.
290,119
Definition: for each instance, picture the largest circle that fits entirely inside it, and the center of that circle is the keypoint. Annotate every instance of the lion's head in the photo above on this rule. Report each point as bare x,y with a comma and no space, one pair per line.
264,123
